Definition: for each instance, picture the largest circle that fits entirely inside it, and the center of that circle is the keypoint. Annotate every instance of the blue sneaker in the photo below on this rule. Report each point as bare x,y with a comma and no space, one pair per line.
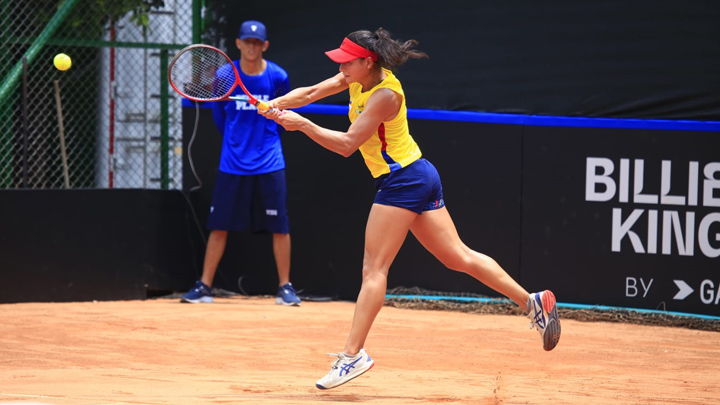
200,293
287,295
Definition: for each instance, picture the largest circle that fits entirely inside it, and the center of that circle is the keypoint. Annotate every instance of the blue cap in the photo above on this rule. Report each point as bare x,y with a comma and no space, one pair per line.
253,29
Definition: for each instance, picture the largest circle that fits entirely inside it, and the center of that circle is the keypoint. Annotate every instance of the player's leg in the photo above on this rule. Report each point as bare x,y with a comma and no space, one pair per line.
286,294
223,211
273,191
213,254
385,233
281,250
436,231
201,291
270,215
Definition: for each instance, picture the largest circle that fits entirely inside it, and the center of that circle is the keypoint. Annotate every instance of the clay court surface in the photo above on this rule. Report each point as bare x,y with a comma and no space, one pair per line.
248,350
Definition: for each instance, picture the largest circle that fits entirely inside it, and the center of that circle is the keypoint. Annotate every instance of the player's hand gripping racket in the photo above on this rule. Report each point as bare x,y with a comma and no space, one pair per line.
204,73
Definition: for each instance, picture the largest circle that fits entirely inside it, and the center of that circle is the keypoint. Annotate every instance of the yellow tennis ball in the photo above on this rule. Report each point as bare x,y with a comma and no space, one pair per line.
62,61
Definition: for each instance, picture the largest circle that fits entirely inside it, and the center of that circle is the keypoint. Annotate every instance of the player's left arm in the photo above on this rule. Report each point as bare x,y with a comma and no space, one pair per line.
382,105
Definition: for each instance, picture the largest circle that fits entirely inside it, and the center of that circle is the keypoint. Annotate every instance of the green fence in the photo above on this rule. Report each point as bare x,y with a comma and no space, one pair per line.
107,122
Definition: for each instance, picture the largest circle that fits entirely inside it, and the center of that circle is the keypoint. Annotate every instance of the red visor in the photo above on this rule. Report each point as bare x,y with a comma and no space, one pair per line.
348,51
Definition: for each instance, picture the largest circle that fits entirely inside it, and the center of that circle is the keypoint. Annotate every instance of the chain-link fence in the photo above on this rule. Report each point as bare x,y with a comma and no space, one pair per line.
110,121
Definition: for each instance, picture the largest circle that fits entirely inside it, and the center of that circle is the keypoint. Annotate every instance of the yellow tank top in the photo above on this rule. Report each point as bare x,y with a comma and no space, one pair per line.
391,147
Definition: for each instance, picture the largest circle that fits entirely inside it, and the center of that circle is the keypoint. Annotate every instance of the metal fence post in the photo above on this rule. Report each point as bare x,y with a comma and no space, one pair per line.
164,125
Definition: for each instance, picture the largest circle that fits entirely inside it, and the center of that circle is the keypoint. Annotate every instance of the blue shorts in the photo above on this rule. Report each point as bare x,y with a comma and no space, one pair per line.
415,187
255,203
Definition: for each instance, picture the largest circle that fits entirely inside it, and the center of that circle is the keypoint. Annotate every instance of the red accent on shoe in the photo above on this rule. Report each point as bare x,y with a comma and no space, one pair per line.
548,300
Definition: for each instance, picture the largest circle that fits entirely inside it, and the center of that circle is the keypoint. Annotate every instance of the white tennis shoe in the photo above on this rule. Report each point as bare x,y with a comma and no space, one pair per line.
542,311
344,369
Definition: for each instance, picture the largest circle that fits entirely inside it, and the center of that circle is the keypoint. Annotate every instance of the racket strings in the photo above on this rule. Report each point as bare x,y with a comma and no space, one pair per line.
203,74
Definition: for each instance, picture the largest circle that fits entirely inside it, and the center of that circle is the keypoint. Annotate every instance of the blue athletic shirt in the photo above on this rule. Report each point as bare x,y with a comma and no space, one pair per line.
251,142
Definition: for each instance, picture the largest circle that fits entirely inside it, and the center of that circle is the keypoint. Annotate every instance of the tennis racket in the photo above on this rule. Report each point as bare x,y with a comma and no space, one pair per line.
204,73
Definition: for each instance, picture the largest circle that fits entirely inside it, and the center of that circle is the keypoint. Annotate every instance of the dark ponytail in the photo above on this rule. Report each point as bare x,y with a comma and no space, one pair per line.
391,53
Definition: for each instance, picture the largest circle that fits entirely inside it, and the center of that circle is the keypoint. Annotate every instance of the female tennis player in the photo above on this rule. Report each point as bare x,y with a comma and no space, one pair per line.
409,194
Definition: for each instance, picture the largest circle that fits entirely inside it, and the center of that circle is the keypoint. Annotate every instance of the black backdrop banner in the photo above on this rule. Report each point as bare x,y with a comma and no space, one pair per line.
611,58
625,217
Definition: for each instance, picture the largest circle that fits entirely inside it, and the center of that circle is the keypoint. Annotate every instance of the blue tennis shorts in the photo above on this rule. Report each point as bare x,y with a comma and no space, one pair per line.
256,203
415,187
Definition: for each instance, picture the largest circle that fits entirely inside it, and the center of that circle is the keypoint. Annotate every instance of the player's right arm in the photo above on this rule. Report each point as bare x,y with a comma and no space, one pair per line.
306,95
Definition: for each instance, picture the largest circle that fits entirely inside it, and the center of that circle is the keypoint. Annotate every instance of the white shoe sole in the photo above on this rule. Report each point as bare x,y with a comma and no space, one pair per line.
551,334
280,301
202,300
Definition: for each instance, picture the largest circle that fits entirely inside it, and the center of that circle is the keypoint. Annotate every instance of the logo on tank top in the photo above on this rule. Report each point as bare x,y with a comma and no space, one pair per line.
359,109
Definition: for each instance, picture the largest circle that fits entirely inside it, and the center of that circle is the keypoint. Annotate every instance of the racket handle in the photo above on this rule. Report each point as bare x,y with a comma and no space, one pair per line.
262,106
